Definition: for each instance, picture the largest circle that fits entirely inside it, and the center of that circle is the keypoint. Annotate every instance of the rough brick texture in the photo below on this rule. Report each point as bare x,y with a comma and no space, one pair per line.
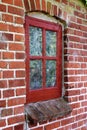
73,15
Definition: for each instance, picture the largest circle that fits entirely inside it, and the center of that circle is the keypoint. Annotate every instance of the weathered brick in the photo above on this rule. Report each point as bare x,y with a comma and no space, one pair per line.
15,10
19,127
2,8
32,4
37,5
7,18
9,128
18,3
19,20
16,65
20,91
3,83
20,56
2,103
8,93
8,55
16,47
49,7
16,101
16,119
2,123
16,82
7,1
20,73
43,5
18,110
6,112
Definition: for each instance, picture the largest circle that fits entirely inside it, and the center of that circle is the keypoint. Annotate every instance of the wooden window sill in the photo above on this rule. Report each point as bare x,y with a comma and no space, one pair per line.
46,110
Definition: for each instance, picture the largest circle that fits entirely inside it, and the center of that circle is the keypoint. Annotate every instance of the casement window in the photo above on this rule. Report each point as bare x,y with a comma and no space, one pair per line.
43,40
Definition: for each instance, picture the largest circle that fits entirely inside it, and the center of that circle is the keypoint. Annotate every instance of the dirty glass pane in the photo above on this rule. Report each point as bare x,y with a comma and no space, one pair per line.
50,73
35,74
35,41
50,43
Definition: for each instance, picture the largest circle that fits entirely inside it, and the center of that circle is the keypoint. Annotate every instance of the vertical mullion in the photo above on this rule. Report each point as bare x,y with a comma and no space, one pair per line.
44,53
57,61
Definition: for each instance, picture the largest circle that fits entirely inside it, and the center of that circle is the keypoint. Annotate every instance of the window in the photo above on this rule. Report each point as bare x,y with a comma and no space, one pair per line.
43,41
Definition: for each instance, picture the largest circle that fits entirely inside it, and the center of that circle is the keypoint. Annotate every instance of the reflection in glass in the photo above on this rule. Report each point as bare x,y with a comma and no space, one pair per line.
50,73
35,41
50,43
35,74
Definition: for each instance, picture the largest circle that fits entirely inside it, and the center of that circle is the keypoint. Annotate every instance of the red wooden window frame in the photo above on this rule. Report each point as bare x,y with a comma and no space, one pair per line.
44,93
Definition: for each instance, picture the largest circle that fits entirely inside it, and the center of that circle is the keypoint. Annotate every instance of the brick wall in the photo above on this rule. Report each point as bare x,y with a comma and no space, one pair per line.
12,66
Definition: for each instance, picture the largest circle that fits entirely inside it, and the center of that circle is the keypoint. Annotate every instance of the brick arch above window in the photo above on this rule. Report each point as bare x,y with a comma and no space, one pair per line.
51,8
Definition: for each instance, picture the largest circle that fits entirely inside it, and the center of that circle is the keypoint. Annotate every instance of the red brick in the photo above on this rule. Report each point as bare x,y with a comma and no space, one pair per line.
16,83
67,121
37,5
16,101
20,91
7,18
7,1
15,10
3,46
26,3
78,33
18,110
83,78
81,15
79,20
19,20
39,128
16,65
20,55
73,92
2,103
32,5
2,8
8,74
18,3
10,128
78,7
3,84
19,127
43,5
72,4
2,123
8,55
17,29
55,10
75,105
74,38
6,112
72,65
19,38
20,73
3,27
74,125
16,47
49,7
16,119
8,93
8,37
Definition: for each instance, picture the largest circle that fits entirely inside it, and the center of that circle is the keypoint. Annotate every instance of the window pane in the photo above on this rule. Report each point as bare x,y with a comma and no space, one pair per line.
50,43
50,73
35,74
35,41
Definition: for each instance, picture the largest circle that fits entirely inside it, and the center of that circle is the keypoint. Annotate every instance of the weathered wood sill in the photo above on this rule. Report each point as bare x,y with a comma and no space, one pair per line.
46,110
